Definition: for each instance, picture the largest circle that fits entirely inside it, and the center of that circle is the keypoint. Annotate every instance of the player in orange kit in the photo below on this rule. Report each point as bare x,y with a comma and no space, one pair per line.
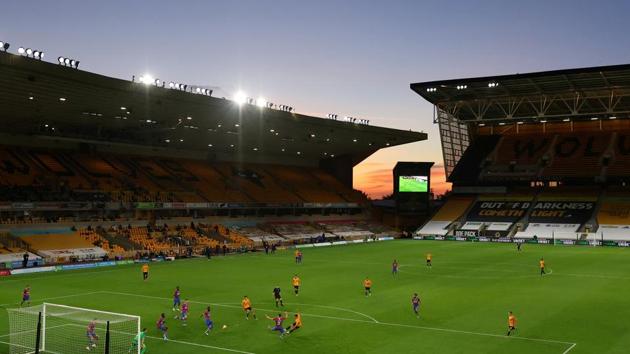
246,303
367,284
511,323
296,281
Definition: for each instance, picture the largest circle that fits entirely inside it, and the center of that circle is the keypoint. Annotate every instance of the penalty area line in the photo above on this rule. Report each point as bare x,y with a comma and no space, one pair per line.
202,345
54,298
437,329
569,349
182,342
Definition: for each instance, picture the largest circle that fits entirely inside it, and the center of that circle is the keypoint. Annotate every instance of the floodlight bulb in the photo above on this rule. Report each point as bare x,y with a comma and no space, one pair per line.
240,98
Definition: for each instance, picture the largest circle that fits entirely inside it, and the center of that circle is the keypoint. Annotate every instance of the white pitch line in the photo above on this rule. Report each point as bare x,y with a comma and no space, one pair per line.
54,275
339,309
569,349
233,306
595,276
26,347
482,277
54,298
183,342
203,345
30,331
477,333
375,323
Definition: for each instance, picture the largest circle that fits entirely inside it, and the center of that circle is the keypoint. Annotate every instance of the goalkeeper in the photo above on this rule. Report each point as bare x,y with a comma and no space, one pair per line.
139,340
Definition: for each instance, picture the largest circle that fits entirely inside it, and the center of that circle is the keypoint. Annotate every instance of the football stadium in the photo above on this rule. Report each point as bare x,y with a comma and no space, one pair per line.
153,216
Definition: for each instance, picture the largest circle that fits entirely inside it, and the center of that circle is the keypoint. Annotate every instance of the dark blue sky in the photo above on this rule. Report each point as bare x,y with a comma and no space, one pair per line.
348,57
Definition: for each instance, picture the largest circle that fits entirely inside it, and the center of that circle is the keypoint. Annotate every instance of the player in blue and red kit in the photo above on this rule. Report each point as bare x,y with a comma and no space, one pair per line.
184,315
415,302
26,296
395,268
278,323
91,335
161,326
176,299
207,320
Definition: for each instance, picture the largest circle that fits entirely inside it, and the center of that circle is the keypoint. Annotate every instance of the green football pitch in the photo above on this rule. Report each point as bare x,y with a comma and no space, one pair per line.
412,185
582,306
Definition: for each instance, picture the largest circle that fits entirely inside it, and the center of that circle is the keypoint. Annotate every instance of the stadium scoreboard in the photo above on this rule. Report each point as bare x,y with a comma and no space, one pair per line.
412,186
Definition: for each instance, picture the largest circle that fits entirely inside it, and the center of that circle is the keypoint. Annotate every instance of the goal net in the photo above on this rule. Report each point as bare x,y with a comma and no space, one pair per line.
60,329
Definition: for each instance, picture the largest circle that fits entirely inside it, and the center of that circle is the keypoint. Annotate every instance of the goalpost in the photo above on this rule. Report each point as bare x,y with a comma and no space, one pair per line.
61,329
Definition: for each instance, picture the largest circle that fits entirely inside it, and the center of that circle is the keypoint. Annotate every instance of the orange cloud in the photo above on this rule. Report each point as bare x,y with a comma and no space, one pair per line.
376,179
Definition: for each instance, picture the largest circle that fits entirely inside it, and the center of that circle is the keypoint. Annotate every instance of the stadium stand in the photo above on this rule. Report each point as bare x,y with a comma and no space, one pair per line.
450,212
60,247
65,176
74,189
614,219
503,137
97,240
296,231
349,230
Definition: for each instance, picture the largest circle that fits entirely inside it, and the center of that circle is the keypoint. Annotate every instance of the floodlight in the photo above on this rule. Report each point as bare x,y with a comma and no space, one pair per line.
240,98
21,50
147,79
261,102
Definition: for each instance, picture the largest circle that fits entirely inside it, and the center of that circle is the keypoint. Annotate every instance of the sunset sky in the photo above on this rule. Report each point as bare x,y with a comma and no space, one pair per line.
347,57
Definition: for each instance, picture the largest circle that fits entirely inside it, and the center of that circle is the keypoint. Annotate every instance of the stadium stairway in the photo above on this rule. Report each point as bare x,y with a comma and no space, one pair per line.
592,224
283,184
165,184
322,184
123,242
547,156
462,219
229,183
11,241
209,232
522,224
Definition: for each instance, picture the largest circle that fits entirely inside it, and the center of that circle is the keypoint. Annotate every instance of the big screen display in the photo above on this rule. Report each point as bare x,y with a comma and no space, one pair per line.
413,184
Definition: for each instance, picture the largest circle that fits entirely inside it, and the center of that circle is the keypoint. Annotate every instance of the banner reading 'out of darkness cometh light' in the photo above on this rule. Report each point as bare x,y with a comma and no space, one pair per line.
507,211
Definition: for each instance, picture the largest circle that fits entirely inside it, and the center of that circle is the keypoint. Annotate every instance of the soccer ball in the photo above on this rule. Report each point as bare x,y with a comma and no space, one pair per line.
224,326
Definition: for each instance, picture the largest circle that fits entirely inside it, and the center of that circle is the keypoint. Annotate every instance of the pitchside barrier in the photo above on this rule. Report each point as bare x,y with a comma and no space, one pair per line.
338,243
589,242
